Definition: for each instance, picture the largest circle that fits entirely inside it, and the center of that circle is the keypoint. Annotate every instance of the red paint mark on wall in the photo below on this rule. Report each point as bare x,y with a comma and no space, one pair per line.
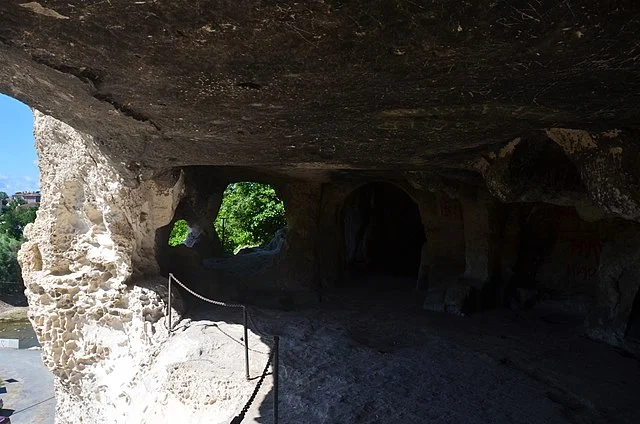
584,259
586,249
450,208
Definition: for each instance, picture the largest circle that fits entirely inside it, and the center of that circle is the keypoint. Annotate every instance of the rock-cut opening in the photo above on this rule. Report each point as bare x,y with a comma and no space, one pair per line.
224,238
250,216
383,237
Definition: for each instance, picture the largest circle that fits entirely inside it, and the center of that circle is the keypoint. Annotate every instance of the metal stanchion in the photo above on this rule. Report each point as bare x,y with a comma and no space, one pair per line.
274,355
246,341
276,372
169,303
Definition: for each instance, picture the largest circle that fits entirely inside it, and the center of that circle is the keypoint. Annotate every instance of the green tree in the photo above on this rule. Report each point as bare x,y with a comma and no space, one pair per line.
178,233
9,267
15,216
252,213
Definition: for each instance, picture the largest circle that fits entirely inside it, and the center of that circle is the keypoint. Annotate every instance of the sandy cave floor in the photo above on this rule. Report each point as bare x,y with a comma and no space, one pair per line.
382,359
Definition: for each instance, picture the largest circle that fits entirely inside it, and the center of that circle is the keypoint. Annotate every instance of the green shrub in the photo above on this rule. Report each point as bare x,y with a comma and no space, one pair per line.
178,233
14,216
253,213
9,268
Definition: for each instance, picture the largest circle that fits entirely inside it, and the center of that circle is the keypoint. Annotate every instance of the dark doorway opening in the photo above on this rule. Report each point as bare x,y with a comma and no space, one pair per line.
383,237
633,329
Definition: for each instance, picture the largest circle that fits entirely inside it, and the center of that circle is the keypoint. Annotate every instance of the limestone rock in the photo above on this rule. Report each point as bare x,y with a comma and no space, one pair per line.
90,273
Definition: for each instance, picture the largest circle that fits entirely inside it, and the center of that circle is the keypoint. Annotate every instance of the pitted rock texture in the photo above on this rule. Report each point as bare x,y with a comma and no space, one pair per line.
94,236
511,125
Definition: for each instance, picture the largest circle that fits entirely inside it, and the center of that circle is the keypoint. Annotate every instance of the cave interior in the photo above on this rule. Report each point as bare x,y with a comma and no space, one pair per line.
467,156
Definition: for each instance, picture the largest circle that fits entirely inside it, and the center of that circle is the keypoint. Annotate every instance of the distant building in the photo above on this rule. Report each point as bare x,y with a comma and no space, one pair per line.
29,197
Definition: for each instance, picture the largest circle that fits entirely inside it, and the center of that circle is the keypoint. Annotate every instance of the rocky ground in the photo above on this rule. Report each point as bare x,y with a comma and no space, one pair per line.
12,313
9,305
378,358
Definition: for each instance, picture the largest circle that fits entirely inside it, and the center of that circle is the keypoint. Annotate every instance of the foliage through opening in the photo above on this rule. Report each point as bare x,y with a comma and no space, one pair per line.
250,215
178,233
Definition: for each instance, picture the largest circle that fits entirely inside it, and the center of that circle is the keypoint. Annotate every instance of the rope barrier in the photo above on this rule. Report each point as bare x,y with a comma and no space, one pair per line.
29,407
274,355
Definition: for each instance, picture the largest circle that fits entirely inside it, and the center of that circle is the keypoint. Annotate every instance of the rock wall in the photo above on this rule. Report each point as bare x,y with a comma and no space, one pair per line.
90,273
534,222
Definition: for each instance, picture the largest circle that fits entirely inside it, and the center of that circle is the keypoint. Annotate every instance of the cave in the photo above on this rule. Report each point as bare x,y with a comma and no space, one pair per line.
207,260
383,235
481,158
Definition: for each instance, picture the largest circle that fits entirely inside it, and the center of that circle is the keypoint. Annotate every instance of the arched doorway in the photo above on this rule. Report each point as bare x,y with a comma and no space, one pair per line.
383,237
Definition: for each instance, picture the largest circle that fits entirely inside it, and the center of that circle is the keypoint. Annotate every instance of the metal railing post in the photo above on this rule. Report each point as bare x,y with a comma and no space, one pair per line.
276,376
169,303
274,355
246,342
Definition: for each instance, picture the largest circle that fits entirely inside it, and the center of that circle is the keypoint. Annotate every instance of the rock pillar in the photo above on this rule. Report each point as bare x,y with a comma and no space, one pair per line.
90,273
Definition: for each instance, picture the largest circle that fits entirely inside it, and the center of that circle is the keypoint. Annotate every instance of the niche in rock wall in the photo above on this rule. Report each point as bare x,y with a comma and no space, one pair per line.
383,236
552,254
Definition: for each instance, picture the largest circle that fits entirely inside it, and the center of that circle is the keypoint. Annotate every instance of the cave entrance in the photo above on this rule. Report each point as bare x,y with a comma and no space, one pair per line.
250,215
226,242
383,237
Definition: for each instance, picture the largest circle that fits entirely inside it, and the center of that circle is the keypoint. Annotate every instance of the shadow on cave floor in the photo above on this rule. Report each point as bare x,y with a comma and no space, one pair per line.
377,357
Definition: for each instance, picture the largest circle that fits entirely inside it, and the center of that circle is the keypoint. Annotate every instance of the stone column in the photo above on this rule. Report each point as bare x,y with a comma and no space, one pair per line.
480,238
443,253
91,277
302,204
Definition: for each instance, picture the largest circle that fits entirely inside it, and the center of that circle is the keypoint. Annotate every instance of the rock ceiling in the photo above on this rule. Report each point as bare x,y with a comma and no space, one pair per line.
334,85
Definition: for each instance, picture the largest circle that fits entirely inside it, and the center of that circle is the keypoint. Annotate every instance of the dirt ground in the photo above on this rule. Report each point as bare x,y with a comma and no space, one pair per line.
367,357
379,358
13,304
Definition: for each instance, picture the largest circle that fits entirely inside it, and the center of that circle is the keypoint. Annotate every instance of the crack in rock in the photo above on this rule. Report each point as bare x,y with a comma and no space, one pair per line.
125,110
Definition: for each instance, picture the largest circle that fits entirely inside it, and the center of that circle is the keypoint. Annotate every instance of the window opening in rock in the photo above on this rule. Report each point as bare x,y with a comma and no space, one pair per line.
179,233
225,243
19,192
250,216
383,237
558,255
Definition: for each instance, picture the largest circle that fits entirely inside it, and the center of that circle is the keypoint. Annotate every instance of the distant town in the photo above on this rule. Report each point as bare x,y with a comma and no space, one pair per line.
30,197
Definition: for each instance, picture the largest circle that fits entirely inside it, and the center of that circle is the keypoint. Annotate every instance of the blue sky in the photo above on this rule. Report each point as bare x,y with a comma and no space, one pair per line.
18,159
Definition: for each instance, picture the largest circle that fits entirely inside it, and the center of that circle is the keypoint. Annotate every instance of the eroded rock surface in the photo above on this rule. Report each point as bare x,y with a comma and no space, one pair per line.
94,235
511,127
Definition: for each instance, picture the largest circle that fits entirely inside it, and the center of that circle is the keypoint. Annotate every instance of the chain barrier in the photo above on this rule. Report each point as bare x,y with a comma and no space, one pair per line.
215,302
274,355
238,419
